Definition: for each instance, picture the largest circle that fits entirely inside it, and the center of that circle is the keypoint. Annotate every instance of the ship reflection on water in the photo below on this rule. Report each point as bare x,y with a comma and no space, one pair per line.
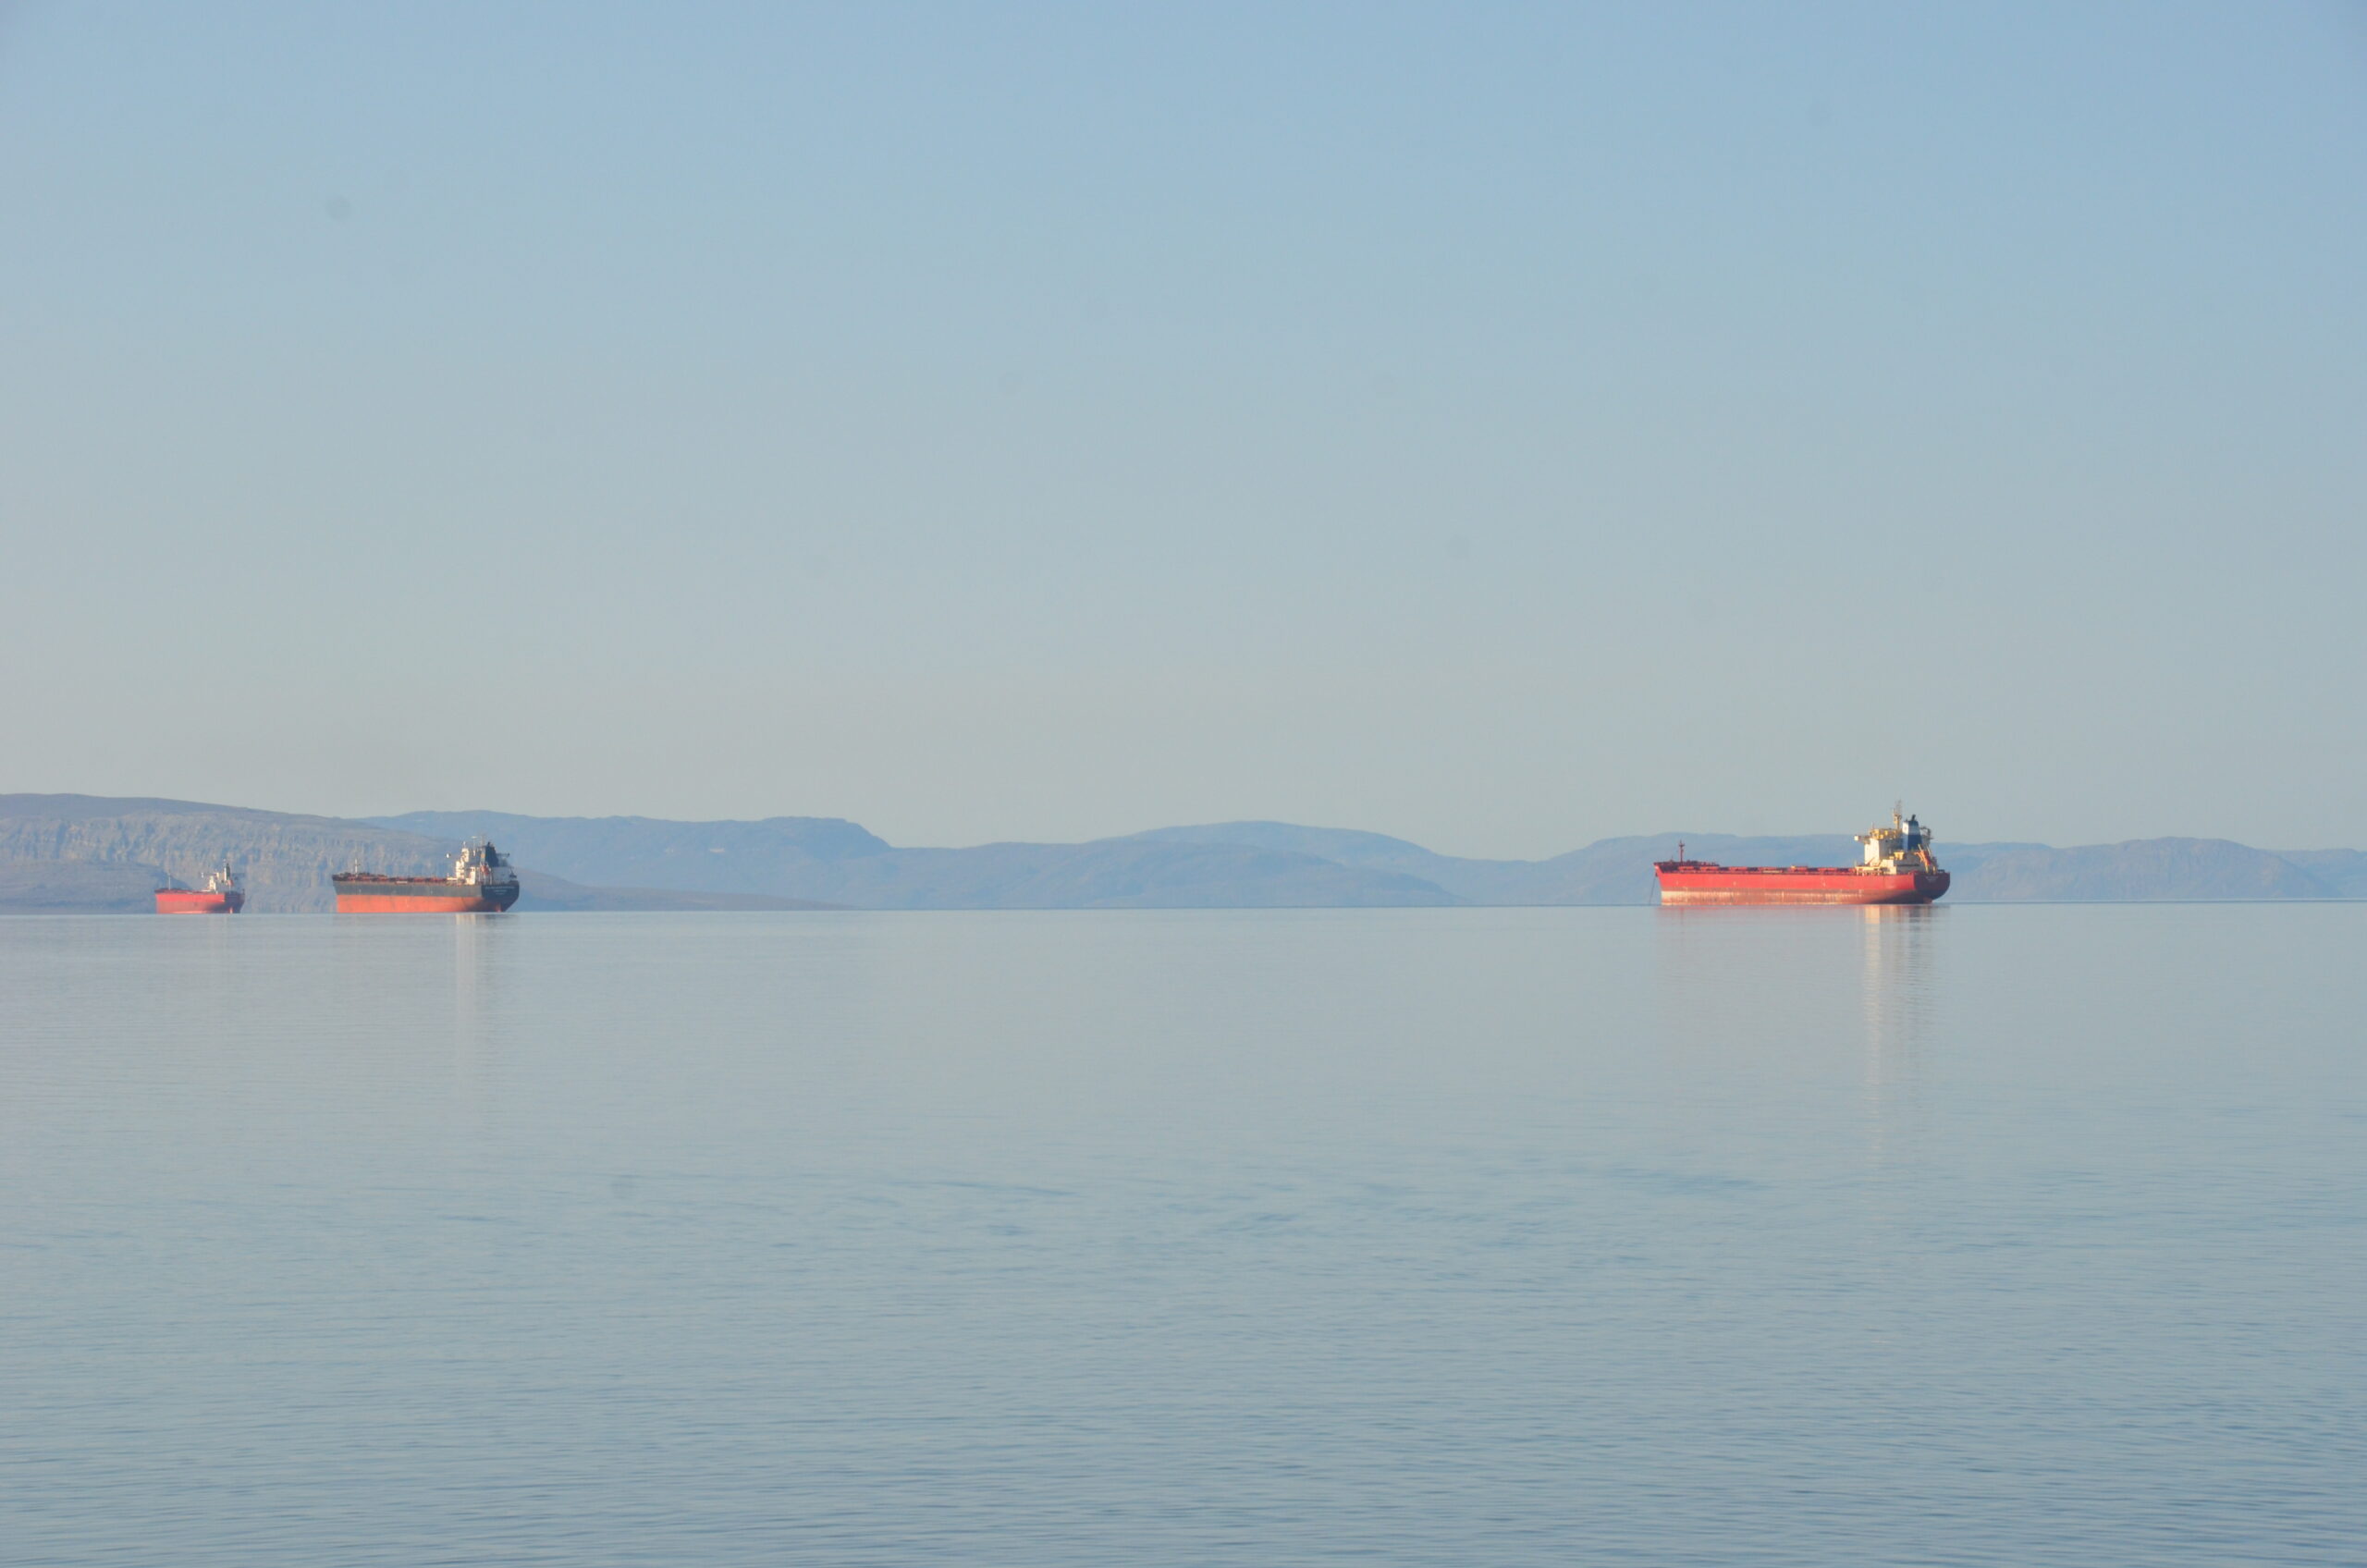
1899,945
1750,992
476,941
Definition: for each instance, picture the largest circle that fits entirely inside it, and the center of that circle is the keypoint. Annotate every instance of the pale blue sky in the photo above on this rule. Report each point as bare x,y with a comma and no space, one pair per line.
1497,425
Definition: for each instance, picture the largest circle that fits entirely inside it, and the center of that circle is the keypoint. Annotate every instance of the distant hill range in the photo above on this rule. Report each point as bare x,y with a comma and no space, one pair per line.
99,854
96,853
1277,863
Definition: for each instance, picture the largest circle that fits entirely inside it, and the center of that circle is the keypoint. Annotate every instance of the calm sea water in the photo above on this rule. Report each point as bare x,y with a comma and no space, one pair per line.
1968,1235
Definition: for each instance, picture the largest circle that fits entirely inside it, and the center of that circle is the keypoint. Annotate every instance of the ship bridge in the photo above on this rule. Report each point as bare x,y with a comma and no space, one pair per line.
1901,840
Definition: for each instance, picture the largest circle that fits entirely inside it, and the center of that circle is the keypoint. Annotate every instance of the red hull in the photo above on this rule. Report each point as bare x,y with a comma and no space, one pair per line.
395,903
190,900
1698,882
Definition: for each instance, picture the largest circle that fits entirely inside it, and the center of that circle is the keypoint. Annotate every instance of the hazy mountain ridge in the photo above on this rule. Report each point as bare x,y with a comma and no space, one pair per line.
286,860
1206,865
538,890
2344,871
640,851
1615,871
77,886
96,853
92,855
2195,869
834,860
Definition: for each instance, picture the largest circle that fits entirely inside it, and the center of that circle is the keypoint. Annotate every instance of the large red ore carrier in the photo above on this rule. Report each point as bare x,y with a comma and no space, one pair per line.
221,895
1897,868
482,882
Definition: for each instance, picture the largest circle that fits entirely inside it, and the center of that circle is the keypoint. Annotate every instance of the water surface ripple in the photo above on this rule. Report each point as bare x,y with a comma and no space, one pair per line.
1963,1236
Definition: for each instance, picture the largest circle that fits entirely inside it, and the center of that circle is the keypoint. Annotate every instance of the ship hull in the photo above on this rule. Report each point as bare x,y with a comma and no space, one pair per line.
393,895
1796,885
190,900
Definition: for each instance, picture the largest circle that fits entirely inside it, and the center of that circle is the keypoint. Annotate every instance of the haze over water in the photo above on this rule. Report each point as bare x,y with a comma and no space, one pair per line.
1966,1235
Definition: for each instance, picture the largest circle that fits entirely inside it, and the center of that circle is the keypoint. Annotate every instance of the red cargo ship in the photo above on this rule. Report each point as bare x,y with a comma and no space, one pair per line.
482,882
1897,868
221,895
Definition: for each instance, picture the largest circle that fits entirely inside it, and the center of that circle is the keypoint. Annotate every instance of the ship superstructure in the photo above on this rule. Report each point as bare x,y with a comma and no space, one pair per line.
482,882
1895,866
1904,845
221,895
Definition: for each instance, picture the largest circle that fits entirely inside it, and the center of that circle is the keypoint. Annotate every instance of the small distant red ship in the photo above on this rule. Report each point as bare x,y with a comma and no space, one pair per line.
221,895
1897,868
482,882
